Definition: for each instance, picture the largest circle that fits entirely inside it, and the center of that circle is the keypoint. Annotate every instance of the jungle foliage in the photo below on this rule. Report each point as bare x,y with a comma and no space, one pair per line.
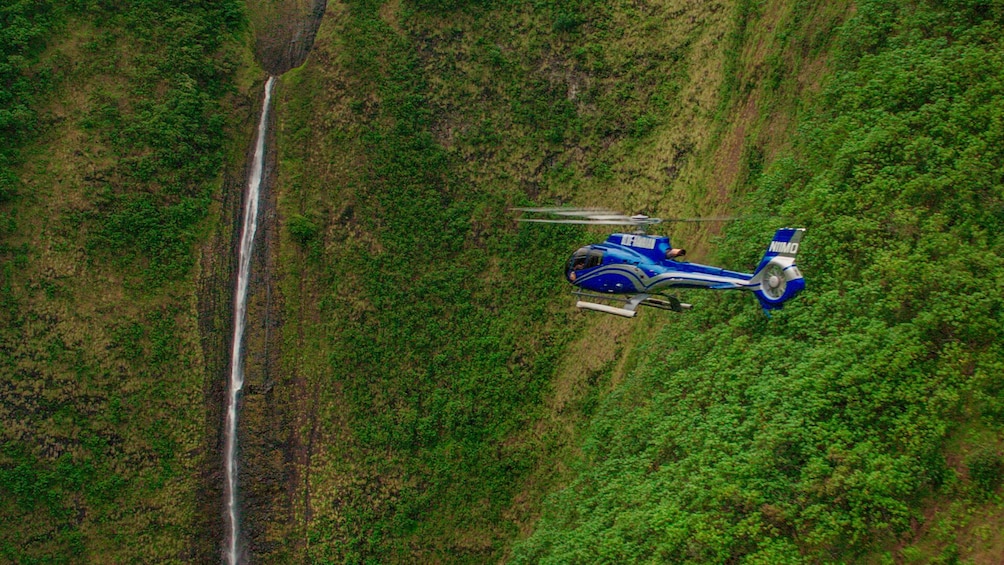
113,142
439,324
24,27
433,360
165,132
827,432
438,382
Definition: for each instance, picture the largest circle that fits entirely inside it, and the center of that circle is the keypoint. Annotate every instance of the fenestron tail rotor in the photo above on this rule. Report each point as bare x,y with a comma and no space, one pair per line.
774,283
603,217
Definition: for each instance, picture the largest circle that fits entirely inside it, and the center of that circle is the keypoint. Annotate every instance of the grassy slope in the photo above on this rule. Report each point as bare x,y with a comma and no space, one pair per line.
819,435
104,435
419,306
427,332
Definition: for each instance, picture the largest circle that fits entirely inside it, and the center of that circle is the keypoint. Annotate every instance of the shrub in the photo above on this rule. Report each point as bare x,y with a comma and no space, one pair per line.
985,469
302,230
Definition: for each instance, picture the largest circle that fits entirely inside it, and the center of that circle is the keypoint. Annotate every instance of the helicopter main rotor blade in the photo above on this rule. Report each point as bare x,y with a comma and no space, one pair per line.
590,213
602,216
718,219
585,221
568,211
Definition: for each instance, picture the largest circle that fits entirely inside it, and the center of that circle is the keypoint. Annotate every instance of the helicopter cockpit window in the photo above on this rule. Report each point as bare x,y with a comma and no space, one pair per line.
584,258
578,259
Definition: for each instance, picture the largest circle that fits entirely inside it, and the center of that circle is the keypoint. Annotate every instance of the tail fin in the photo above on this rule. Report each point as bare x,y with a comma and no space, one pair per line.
777,277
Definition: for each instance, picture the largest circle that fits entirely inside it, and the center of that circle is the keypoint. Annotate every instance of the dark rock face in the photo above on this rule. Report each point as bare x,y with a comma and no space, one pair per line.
268,443
285,37
266,433
215,291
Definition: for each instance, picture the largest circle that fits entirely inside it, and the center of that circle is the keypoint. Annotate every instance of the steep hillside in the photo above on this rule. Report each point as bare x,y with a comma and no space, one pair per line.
863,423
858,423
117,120
420,387
425,333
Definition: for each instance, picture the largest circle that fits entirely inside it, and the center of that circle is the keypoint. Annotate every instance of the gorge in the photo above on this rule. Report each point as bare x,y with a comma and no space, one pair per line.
417,385
236,381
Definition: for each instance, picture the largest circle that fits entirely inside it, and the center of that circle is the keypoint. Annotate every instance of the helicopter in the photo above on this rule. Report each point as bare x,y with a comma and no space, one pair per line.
636,269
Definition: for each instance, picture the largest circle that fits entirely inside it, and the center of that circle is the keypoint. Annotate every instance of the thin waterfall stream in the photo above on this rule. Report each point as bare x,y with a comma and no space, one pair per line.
248,229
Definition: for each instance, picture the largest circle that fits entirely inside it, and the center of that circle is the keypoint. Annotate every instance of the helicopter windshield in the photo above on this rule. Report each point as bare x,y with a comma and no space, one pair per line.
584,258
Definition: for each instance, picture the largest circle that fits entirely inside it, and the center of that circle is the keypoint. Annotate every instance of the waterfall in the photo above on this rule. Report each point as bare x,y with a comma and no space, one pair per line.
250,225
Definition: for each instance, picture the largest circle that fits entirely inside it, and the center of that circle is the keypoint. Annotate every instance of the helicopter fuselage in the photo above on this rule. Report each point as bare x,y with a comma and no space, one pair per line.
636,268
632,263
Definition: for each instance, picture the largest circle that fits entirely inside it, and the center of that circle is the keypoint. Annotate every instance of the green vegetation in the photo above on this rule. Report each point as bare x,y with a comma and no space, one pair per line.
24,27
431,373
427,327
427,393
818,435
114,139
164,133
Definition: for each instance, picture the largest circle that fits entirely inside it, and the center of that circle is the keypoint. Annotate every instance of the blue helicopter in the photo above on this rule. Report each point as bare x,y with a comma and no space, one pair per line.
636,269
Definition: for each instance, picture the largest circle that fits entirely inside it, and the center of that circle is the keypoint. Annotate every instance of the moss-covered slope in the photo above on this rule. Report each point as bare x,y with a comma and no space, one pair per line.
116,136
421,389
863,423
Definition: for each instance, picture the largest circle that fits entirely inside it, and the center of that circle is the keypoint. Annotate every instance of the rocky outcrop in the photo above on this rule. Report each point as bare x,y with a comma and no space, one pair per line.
215,284
284,32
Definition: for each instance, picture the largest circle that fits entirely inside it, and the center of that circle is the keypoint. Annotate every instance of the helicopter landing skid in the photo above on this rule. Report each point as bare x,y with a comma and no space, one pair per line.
663,302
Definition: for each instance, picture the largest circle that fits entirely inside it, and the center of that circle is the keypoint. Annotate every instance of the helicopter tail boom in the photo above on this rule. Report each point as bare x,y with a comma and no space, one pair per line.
777,278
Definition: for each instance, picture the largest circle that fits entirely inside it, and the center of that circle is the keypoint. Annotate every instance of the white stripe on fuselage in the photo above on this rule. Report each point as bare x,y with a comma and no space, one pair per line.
644,282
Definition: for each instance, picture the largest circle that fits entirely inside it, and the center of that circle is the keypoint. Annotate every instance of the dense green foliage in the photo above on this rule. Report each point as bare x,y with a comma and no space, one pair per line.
24,27
434,377
438,323
165,135
113,143
442,363
817,435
